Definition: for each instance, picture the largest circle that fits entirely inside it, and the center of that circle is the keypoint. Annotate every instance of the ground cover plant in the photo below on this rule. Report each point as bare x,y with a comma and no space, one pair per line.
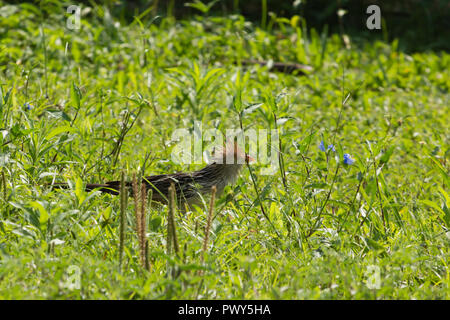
357,208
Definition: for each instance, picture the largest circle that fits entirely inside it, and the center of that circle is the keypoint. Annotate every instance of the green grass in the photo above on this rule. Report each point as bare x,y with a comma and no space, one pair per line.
105,97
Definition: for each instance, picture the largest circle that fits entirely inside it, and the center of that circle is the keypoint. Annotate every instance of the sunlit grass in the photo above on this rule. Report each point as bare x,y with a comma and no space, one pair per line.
84,105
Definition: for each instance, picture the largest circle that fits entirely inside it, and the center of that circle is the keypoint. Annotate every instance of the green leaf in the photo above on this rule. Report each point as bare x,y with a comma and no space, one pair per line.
79,191
433,205
155,223
107,213
252,107
374,245
75,95
43,214
204,8
440,169
386,155
282,121
59,130
316,185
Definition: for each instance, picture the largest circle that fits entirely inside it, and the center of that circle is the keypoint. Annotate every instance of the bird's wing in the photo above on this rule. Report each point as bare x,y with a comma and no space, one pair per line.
184,186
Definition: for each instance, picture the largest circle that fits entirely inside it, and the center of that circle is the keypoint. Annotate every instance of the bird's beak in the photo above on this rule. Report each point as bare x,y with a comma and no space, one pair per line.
249,158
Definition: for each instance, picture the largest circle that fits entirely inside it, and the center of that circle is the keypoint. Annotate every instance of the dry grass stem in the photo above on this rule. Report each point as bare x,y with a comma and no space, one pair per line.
171,230
208,223
123,205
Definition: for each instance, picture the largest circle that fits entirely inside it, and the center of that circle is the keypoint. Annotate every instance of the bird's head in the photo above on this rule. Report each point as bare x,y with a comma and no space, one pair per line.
231,154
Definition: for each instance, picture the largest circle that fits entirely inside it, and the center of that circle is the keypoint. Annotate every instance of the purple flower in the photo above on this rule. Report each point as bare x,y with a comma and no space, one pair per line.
332,148
348,159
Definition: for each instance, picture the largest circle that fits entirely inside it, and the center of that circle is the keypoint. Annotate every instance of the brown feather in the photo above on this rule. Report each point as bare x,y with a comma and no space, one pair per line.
188,186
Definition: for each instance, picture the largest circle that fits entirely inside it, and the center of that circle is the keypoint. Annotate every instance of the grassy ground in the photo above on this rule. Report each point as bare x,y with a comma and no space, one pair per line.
84,105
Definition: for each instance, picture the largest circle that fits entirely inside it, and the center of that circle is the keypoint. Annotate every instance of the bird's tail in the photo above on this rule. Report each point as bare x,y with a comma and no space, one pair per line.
112,187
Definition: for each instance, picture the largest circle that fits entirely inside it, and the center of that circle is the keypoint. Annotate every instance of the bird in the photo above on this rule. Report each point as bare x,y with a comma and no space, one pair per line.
190,187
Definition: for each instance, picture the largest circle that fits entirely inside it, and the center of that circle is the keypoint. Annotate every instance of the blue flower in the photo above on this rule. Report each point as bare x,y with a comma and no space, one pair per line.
348,159
27,106
322,147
